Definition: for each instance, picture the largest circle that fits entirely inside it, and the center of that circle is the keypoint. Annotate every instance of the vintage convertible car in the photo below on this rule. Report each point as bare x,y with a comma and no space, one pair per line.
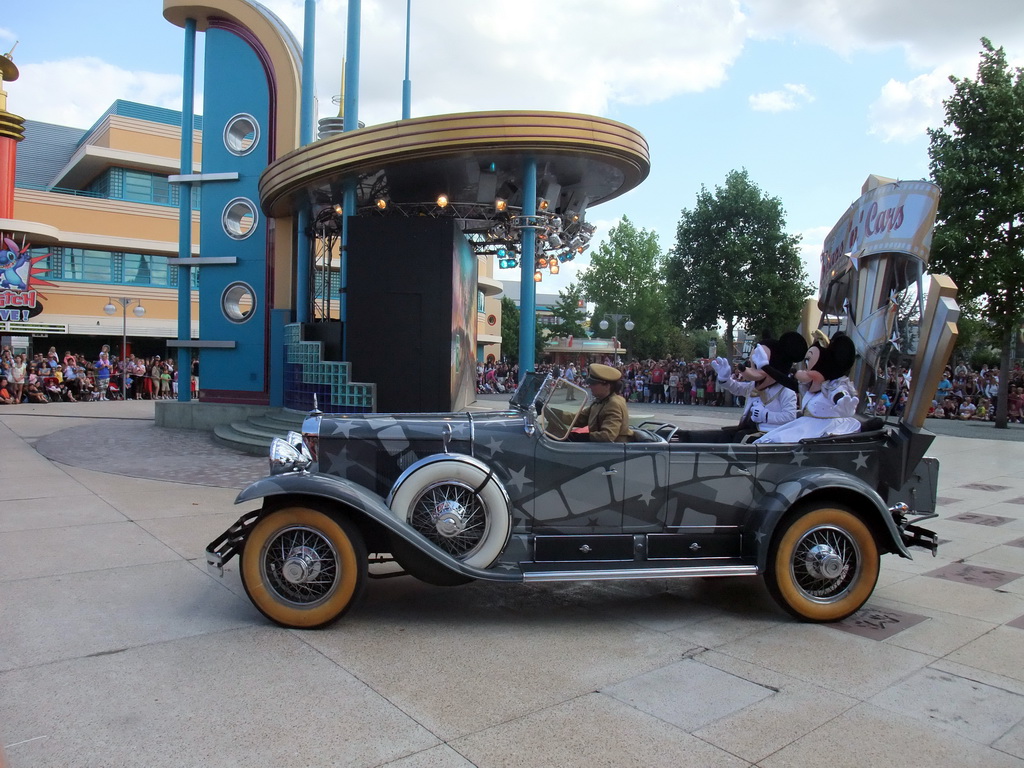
505,496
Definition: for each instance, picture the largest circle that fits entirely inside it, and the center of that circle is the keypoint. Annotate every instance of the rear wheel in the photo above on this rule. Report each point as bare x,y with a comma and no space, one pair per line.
302,568
823,563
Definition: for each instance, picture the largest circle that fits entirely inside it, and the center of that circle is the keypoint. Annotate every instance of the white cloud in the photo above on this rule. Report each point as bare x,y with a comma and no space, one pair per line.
790,97
904,110
575,55
931,32
75,92
811,242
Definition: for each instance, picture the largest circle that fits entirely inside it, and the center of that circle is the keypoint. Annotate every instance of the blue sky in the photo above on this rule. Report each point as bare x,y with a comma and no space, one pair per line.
810,96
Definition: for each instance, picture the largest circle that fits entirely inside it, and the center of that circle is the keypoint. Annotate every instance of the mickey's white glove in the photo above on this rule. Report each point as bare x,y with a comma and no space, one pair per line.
847,406
759,414
722,368
759,357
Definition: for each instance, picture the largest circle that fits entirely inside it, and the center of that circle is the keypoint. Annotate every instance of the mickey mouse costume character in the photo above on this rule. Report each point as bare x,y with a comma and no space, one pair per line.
829,397
766,383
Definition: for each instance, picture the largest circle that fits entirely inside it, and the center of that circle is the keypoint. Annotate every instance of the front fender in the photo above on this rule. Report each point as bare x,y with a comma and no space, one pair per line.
363,502
819,483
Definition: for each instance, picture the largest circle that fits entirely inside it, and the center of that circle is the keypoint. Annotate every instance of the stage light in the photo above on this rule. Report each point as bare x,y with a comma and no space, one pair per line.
500,205
537,276
382,203
338,209
442,201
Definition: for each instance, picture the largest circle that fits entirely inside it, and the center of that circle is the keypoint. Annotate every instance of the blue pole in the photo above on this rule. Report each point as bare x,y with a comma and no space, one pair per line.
185,214
303,256
308,76
407,83
528,288
351,108
351,105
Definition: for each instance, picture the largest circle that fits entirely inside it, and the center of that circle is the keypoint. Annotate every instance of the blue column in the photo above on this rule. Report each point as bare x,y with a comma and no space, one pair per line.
351,108
407,83
528,288
351,105
302,241
185,214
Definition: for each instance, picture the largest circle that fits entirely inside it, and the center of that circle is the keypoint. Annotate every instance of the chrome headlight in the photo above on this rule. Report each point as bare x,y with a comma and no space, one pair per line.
289,455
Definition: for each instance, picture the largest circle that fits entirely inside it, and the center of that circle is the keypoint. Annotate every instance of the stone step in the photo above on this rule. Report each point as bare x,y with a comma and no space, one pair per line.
228,435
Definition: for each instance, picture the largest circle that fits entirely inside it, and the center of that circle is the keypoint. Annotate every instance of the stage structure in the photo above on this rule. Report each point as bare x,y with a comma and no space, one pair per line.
398,216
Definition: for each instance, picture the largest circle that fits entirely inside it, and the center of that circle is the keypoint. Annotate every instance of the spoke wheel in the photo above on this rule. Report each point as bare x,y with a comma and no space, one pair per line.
451,515
302,568
458,507
823,563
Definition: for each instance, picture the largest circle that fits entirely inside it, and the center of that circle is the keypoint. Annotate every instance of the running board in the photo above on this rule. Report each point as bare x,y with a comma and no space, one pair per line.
623,574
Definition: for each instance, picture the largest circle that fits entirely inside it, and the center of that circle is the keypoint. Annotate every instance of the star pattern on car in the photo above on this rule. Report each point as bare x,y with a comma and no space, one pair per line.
861,462
517,478
337,461
494,446
799,457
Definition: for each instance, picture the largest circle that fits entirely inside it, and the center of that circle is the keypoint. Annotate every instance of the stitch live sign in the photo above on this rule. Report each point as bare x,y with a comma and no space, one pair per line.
19,306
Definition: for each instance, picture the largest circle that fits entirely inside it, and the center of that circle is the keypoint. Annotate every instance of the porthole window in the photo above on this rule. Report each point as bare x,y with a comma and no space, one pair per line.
239,218
241,134
238,302
492,320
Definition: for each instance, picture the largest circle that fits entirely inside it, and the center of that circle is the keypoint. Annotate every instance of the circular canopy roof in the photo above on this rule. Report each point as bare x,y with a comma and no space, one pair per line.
471,158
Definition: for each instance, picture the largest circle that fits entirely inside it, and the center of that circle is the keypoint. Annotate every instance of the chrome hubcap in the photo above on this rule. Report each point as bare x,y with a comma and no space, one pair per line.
449,518
823,562
301,565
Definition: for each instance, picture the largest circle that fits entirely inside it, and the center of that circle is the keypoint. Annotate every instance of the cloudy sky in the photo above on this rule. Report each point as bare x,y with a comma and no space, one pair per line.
810,96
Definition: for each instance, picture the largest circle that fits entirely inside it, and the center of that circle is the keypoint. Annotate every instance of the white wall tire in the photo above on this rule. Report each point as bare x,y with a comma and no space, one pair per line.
823,563
302,568
458,507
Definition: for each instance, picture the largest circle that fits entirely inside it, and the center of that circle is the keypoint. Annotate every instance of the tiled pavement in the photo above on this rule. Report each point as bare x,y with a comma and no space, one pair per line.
117,648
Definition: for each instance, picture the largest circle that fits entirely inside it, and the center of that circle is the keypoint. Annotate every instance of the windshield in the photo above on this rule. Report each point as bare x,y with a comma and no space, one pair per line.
563,402
529,390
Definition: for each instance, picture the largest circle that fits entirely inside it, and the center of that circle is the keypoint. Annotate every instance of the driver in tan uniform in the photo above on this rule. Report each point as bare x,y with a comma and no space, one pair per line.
607,417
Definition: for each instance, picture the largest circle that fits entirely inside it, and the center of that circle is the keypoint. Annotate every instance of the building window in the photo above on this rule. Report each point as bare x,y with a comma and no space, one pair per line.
86,265
139,187
480,301
89,266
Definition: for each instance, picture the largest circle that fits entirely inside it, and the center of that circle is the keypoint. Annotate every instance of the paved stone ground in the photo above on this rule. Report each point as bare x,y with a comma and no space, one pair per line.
118,649
142,449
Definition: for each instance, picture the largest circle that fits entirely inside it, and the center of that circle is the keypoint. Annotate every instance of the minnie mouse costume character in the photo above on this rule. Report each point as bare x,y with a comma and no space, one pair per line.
829,397
766,383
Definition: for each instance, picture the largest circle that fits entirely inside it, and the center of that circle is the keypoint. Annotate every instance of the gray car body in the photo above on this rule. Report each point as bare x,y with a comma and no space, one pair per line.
608,510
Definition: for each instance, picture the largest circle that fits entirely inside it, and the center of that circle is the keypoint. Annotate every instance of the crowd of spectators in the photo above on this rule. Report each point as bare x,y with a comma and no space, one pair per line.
963,394
50,377
966,394
643,381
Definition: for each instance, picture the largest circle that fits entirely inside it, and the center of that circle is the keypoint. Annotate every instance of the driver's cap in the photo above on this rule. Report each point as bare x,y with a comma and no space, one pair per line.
604,373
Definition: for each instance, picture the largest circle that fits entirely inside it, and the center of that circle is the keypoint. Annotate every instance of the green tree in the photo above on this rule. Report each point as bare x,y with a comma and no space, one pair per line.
977,159
571,312
733,262
626,278
509,329
510,332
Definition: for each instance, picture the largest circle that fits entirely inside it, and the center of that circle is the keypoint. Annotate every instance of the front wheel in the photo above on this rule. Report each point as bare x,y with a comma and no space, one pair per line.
302,568
823,563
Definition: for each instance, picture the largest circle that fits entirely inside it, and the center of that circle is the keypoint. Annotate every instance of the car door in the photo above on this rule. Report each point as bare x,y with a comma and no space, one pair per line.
578,487
710,490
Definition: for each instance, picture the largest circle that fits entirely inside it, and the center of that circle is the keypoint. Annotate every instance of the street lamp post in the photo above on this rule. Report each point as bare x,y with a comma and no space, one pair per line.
139,311
629,325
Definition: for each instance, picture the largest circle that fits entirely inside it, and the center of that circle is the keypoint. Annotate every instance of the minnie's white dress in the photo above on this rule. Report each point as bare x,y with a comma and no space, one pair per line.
824,413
